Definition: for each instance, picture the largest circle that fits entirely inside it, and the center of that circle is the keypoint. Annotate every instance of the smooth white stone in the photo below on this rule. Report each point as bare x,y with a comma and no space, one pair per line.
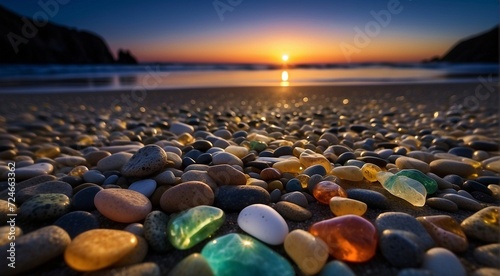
264,223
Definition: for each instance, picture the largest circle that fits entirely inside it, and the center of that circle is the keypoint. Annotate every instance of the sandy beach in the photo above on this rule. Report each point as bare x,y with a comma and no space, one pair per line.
386,114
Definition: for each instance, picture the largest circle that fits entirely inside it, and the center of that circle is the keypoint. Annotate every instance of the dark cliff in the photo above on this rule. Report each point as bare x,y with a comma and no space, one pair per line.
479,48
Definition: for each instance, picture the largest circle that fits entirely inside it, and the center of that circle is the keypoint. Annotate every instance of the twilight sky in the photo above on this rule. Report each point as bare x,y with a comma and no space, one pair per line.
261,31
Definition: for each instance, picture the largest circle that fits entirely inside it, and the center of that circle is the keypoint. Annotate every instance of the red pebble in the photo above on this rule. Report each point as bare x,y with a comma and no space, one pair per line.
325,190
349,238
270,174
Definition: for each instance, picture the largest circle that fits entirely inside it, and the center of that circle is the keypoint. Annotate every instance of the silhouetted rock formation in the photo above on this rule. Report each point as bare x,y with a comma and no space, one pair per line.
23,41
125,57
480,48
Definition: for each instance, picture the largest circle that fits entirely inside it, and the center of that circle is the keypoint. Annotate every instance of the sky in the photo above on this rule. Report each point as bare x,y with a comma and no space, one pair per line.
262,31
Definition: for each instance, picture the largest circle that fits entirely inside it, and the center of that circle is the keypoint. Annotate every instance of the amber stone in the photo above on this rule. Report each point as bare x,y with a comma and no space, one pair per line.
325,190
446,232
349,238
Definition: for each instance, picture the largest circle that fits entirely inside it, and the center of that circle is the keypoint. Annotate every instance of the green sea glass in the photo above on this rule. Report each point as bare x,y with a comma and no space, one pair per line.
237,254
403,187
190,227
429,183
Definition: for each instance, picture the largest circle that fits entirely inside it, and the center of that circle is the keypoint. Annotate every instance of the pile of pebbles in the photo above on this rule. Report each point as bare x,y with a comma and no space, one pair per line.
84,163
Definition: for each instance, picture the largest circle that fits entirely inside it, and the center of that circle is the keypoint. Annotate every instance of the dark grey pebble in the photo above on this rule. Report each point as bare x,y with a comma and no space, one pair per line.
462,151
442,184
483,145
401,248
275,195
354,162
374,160
315,169
471,186
406,222
486,180
84,199
442,204
155,231
373,199
71,180
283,150
49,187
235,198
112,179
344,157
483,197
204,158
202,145
77,222
313,180
464,203
454,179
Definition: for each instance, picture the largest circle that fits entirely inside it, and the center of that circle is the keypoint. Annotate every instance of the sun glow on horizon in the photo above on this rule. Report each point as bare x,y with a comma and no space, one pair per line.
284,57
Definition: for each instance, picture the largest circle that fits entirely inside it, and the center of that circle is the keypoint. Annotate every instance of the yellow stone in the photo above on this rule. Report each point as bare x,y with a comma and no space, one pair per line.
309,158
99,248
304,180
494,166
291,165
50,151
370,171
307,251
275,184
351,173
239,151
344,206
185,138
78,171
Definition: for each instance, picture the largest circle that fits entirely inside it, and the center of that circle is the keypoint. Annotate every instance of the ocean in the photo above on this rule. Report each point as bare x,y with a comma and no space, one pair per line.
101,78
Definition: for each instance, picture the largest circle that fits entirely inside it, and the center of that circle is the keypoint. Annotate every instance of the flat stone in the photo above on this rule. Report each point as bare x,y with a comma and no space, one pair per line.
49,187
237,254
405,222
122,205
345,206
349,238
94,157
45,207
77,222
446,232
442,204
464,202
188,228
27,183
166,178
325,190
351,173
292,211
226,175
34,249
31,171
155,231
203,176
186,195
146,161
298,198
264,223
443,167
113,162
290,165
404,162
434,261
401,248
121,148
193,265
94,176
179,128
99,248
235,198
307,251
483,225
144,186
373,199
70,161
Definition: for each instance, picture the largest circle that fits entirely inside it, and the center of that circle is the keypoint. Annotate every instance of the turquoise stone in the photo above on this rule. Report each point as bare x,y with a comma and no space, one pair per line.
430,184
237,254
191,226
403,187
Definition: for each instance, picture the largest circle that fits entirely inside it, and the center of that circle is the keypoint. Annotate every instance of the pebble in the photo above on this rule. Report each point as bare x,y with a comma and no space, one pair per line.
193,265
121,148
464,202
488,254
143,269
292,211
186,195
179,128
44,207
113,162
349,238
401,248
195,175
144,186
31,171
405,222
34,249
77,222
343,206
237,254
290,165
70,161
188,228
237,151
94,157
336,268
483,225
442,204
297,198
443,167
373,199
235,198
309,158
135,228
351,173
269,174
84,199
226,158
155,231
122,205
404,162
434,261
264,223
145,162
370,172
446,232
307,251
99,248
94,176
7,232
325,190
49,187
226,175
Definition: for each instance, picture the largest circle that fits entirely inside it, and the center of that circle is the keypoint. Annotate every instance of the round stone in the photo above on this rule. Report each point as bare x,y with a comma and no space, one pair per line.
264,223
179,128
290,165
195,175
186,195
113,162
351,173
404,162
436,258
373,199
84,199
45,207
307,251
292,211
443,167
401,248
77,222
446,232
370,171
220,158
226,175
122,205
99,248
94,176
297,198
135,228
193,265
405,222
488,254
344,206
155,231
144,186
235,198
146,161
483,225
325,190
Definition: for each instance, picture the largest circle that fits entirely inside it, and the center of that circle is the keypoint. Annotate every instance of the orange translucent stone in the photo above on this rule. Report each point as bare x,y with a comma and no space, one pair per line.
349,238
325,190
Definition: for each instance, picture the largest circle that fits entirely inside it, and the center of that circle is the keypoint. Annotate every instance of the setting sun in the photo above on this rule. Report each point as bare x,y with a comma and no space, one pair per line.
284,57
